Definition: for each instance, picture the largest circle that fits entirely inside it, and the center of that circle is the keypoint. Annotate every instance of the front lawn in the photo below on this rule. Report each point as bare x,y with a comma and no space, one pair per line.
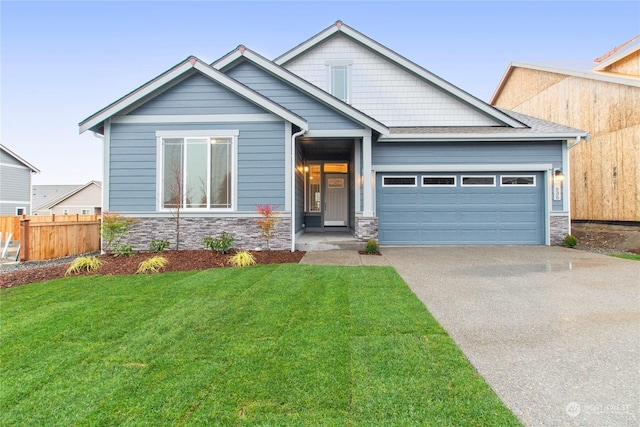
633,257
268,345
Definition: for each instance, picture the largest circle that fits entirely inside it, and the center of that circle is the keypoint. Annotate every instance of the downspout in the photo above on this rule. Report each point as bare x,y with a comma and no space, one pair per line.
293,187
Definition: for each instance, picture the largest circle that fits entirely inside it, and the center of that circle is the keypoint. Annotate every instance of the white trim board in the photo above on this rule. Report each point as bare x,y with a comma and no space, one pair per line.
198,118
495,167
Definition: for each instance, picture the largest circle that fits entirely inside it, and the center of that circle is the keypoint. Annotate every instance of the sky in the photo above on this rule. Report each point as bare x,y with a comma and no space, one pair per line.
60,62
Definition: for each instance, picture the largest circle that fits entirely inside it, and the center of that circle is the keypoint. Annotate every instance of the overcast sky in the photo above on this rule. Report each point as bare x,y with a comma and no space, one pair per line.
63,61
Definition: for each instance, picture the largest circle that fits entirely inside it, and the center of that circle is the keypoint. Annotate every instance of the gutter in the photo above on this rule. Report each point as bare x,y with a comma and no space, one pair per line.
578,141
477,137
293,187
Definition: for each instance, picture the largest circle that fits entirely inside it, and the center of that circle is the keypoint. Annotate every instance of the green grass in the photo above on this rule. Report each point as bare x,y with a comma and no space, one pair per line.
627,256
275,345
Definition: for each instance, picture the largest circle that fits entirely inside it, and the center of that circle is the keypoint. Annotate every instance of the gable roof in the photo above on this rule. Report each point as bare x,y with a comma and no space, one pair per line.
617,53
412,67
19,159
241,52
173,76
63,192
584,74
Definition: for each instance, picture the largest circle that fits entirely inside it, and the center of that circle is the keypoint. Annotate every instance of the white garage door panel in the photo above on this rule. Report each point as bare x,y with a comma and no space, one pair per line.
470,215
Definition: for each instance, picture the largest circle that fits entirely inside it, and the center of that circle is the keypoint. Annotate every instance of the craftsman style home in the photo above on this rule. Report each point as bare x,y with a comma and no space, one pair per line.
340,133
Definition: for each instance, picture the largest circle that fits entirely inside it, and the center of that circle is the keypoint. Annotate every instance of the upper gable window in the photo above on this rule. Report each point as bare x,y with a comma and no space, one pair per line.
340,79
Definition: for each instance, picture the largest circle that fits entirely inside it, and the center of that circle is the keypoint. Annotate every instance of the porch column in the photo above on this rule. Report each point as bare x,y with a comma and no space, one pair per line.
367,208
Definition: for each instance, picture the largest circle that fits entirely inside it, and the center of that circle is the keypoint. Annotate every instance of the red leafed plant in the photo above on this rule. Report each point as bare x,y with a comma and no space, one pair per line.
268,222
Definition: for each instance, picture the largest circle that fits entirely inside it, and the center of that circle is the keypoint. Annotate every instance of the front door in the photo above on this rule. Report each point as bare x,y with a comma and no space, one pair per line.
336,206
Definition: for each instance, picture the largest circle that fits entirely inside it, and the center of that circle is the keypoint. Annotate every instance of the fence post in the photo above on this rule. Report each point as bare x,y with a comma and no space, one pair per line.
24,239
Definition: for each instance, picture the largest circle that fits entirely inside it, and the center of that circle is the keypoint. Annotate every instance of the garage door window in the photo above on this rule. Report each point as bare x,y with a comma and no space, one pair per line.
399,181
438,181
478,181
522,180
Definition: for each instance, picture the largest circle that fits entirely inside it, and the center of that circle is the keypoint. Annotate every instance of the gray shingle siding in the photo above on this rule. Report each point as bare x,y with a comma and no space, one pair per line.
319,116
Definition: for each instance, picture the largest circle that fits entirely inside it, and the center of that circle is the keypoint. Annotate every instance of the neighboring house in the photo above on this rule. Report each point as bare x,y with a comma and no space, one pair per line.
342,134
603,99
68,199
15,183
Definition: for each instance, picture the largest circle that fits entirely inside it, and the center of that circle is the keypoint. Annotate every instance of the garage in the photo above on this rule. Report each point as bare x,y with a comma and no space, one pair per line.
501,208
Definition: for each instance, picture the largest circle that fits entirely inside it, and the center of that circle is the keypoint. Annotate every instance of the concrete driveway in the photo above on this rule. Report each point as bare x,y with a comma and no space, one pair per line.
555,331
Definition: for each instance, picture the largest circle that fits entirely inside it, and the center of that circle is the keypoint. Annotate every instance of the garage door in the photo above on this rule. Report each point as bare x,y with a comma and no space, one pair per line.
460,208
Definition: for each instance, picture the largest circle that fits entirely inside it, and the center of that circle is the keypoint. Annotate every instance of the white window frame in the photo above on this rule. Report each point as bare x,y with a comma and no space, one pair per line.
24,210
462,177
414,177
346,64
455,181
194,134
518,176
85,212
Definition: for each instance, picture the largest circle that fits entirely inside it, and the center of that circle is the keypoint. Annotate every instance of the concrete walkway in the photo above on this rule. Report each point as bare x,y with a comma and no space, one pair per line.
554,331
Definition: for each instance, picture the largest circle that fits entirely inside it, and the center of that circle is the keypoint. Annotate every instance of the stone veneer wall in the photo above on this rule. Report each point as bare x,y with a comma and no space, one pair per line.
559,228
366,228
194,229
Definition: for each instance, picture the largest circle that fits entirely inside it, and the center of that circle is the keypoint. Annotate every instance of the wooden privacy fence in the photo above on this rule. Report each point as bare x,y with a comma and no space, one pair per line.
45,237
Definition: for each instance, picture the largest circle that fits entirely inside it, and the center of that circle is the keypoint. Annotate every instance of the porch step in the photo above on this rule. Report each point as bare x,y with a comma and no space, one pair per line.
328,245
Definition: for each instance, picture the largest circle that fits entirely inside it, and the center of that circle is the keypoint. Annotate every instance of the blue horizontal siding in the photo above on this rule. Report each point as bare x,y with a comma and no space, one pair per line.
260,164
318,115
197,95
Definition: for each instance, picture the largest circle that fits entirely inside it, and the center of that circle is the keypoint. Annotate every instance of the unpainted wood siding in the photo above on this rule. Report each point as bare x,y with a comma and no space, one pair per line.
15,185
260,164
629,65
470,153
605,171
383,90
319,116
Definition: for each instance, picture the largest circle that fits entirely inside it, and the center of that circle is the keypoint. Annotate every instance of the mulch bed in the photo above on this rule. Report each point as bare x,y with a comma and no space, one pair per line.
178,261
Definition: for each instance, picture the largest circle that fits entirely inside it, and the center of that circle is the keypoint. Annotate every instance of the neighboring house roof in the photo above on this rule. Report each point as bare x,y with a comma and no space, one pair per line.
340,27
617,53
177,74
19,159
47,196
536,129
583,69
242,52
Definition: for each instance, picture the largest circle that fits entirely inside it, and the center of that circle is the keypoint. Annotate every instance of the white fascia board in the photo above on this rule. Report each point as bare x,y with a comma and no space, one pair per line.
303,85
304,46
135,96
19,159
600,76
471,137
177,72
404,63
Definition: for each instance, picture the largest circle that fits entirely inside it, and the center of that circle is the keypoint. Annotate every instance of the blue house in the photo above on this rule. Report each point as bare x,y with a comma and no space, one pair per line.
340,133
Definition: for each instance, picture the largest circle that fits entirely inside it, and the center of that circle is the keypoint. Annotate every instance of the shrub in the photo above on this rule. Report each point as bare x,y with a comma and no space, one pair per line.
221,244
371,247
242,259
570,241
268,222
157,245
90,264
152,265
122,250
114,228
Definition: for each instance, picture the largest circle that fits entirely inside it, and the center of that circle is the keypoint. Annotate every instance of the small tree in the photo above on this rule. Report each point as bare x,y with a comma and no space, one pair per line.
175,187
114,228
268,222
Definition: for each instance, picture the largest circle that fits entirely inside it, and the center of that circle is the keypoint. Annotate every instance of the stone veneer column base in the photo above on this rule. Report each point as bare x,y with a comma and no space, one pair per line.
366,228
558,229
193,230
